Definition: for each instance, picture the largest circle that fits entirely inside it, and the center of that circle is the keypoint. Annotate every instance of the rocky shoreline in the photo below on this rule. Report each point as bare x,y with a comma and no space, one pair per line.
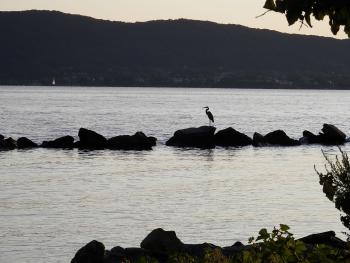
203,137
160,245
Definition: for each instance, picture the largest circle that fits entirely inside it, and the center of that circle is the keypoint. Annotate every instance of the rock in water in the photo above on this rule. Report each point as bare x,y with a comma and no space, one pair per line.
23,143
332,135
92,252
259,140
65,142
91,140
138,141
161,241
8,144
279,137
231,137
202,137
309,138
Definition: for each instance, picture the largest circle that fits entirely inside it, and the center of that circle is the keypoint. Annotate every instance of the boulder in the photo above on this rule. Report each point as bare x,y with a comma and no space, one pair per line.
331,135
161,241
235,248
202,137
116,254
326,238
138,141
8,144
62,142
23,143
309,138
231,137
2,137
199,250
92,252
279,137
91,140
259,140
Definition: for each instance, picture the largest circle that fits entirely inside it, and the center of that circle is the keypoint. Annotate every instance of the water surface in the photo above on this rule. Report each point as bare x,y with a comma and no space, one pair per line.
52,202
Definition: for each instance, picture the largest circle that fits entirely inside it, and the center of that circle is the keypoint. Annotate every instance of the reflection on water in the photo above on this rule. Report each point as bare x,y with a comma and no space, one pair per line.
54,201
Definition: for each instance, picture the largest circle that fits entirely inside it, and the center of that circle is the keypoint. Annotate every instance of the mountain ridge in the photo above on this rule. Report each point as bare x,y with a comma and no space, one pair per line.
80,50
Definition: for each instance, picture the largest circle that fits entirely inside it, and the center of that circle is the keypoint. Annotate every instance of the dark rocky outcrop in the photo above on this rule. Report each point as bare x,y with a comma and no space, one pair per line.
280,138
327,238
92,252
138,141
259,140
161,241
202,137
199,250
309,138
24,143
91,140
331,135
119,254
8,144
160,245
65,142
2,137
231,137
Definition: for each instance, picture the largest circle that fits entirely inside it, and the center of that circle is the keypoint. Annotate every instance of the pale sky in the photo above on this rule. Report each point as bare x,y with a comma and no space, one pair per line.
241,12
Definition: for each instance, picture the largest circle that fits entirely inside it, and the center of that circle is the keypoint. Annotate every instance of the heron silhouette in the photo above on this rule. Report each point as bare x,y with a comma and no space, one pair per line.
209,114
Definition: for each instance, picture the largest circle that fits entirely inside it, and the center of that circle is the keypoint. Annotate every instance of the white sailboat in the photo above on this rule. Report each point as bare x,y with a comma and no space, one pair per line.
53,82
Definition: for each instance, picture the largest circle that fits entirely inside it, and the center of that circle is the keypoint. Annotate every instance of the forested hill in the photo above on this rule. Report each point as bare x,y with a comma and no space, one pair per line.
37,46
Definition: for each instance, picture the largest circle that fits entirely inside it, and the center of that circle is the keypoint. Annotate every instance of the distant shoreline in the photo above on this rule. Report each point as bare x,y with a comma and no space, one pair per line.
178,87
73,50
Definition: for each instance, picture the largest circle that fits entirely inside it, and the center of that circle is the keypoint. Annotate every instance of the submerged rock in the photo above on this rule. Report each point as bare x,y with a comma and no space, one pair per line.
138,141
62,142
231,137
92,252
91,140
202,137
24,143
280,138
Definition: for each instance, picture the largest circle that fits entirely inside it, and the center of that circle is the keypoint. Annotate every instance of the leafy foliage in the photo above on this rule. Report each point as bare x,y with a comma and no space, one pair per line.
338,12
279,246
336,184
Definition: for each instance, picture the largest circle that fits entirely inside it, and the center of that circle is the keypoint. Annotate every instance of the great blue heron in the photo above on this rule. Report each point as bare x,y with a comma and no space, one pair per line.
209,114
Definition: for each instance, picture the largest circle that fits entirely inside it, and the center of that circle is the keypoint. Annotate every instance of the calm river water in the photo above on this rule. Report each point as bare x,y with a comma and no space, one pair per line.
52,202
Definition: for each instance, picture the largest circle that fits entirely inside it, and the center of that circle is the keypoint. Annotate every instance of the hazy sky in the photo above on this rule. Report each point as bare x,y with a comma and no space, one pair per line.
242,12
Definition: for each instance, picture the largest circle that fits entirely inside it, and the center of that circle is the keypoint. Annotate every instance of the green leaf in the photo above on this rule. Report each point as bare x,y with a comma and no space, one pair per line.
299,247
308,19
319,14
263,234
292,16
270,4
284,228
335,28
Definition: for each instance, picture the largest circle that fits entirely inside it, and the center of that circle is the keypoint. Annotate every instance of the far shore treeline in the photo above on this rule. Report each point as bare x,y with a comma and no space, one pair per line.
39,46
